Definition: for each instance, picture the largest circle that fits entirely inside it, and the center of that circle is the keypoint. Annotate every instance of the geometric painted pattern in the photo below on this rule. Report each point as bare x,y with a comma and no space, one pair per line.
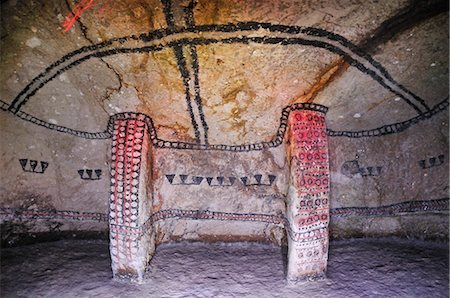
126,152
275,142
254,180
308,199
403,208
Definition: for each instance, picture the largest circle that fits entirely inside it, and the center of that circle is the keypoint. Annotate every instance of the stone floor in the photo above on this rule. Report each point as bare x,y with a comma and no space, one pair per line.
357,268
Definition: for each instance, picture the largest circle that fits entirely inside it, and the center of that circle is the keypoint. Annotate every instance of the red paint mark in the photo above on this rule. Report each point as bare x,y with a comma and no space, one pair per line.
310,220
131,186
102,11
119,124
76,13
310,126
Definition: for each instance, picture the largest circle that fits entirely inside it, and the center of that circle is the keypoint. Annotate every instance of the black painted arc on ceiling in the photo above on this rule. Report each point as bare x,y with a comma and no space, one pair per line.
312,36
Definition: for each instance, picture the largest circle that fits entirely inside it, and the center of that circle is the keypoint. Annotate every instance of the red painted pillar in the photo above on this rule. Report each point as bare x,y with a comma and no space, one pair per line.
131,241
308,196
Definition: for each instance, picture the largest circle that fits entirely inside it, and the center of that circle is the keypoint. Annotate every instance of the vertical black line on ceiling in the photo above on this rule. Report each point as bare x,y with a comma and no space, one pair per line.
184,72
190,22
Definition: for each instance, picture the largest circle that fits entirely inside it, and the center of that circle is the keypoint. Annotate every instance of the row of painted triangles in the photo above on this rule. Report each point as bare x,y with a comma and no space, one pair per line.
33,166
257,180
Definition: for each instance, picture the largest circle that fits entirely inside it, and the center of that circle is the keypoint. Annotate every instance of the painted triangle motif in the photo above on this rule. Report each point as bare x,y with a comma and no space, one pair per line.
98,172
44,166
23,163
197,180
170,178
422,164
33,164
183,178
272,179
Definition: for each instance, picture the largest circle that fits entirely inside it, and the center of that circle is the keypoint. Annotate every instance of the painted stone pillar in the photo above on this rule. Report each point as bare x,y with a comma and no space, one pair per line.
308,196
131,238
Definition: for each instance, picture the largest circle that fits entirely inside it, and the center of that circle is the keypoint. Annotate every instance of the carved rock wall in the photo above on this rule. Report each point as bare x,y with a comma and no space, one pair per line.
214,94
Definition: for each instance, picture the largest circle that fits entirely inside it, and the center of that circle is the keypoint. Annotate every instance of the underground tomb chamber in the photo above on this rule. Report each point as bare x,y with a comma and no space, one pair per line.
291,122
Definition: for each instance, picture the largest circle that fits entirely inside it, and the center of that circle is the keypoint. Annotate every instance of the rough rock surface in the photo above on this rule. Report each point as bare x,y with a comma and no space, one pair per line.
357,268
243,89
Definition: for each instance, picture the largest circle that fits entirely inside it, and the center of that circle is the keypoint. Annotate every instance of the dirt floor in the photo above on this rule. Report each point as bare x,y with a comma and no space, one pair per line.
357,268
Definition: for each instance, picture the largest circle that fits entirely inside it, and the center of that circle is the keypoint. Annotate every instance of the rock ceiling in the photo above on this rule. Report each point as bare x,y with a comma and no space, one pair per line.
221,72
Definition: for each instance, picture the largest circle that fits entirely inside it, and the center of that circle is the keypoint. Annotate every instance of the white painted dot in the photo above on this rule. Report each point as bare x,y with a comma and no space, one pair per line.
63,77
33,42
397,99
357,115
433,64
